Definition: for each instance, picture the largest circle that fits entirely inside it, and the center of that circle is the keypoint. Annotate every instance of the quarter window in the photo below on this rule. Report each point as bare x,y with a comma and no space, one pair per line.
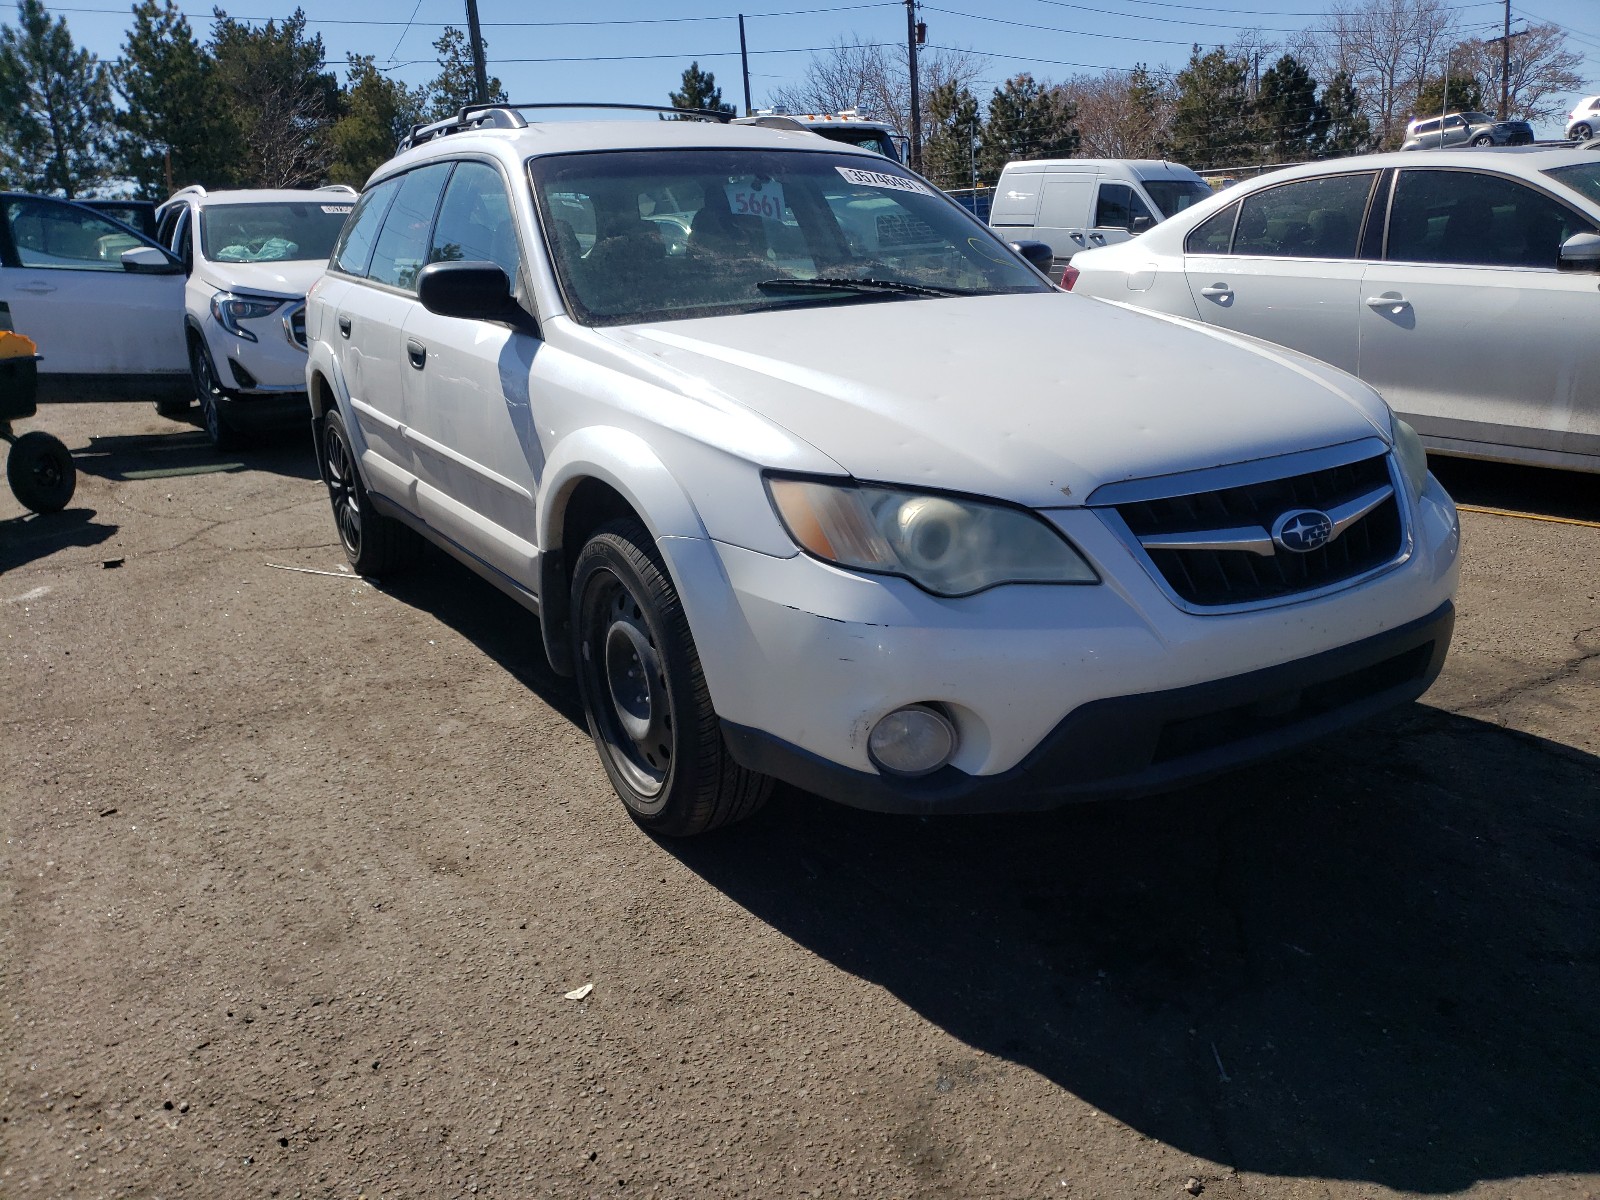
1314,218
353,251
65,238
475,221
402,248
1467,218
1214,235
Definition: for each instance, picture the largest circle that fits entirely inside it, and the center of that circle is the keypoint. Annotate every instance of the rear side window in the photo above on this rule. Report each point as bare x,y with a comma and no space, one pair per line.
1214,235
402,247
1467,218
475,221
353,251
1314,218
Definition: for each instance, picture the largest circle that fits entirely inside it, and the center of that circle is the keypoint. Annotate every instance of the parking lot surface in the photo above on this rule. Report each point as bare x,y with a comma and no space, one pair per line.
299,871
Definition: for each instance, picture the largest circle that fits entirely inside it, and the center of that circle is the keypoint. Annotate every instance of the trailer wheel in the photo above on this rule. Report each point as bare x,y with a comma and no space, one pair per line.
41,472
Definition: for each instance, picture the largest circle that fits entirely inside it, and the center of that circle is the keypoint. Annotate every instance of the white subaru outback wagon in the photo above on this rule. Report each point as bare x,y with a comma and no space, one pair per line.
810,477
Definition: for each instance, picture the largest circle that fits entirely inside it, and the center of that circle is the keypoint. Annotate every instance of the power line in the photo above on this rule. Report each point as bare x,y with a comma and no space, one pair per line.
1207,8
1119,36
797,12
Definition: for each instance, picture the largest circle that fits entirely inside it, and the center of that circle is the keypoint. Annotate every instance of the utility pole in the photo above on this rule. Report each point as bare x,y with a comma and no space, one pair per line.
480,70
1505,61
744,62
916,100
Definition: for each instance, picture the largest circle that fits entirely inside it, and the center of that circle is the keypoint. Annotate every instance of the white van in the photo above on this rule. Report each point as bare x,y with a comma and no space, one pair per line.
1074,204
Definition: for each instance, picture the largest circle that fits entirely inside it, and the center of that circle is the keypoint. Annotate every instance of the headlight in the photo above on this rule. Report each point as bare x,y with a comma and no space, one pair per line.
946,545
1413,457
229,310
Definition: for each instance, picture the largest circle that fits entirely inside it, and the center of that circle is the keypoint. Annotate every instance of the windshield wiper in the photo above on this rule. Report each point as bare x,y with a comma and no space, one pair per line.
845,283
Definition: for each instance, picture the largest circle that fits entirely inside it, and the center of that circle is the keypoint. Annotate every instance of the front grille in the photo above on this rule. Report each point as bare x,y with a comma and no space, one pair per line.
1215,577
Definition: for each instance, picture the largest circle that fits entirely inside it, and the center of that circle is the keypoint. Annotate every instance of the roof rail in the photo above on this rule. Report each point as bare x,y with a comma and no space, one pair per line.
338,187
508,116
194,189
773,121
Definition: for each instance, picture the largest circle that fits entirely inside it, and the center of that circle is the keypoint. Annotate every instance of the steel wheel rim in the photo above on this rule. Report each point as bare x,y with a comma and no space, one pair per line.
629,698
341,477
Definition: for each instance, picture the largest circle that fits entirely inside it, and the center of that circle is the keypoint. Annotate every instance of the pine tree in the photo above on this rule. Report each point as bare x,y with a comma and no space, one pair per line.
456,85
1292,122
281,103
177,132
1213,118
1026,120
1465,95
57,120
1150,101
378,112
951,128
700,91
1348,131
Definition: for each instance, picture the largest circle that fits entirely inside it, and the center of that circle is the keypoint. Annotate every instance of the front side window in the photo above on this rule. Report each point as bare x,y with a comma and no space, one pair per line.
353,251
1467,218
1117,206
643,235
271,232
475,221
1314,218
66,238
402,246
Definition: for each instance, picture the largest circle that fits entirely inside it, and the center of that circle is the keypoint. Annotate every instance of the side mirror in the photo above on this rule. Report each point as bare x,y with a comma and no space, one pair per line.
150,260
1140,223
472,291
1040,257
1580,252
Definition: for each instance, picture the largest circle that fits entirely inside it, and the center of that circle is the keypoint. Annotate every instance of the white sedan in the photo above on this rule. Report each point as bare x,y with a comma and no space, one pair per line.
1465,288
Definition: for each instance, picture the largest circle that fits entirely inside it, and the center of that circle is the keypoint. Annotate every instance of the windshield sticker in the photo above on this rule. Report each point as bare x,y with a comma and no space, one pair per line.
755,197
337,208
882,179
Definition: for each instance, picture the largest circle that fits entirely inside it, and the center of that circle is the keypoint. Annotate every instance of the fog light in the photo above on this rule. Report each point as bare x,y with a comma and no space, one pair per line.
913,740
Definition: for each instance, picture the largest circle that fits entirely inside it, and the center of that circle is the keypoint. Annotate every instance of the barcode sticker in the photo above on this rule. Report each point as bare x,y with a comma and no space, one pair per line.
882,179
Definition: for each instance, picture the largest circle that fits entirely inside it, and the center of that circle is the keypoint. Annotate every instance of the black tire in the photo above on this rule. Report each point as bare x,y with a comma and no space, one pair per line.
174,405
209,392
41,472
1483,139
1582,132
644,694
374,544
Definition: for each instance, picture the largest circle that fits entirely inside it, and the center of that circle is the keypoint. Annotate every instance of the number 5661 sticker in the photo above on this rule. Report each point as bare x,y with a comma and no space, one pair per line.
756,198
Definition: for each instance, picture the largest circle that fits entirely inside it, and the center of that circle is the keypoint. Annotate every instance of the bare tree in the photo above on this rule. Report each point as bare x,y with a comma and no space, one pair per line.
1389,48
877,80
1122,114
1542,71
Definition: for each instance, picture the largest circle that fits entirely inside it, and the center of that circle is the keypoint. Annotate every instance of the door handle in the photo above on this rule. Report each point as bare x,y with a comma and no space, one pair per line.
344,327
1097,237
418,354
1217,291
37,287
1391,301
1077,237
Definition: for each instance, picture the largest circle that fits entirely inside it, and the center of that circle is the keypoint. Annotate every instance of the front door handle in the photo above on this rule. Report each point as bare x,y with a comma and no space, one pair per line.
37,286
418,354
1077,237
1391,302
1098,237
1217,291
344,327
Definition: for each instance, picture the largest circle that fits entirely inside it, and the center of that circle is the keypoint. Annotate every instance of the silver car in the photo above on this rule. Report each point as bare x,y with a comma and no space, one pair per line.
1584,121
1465,129
1460,284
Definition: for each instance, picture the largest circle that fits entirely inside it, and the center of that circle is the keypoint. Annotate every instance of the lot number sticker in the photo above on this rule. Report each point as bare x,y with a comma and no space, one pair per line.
337,208
881,179
748,198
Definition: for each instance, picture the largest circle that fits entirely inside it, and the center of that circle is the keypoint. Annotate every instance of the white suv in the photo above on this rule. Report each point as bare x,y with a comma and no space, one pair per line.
250,256
796,503
1584,121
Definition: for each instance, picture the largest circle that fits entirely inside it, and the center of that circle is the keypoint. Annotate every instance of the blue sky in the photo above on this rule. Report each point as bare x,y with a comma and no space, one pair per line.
628,50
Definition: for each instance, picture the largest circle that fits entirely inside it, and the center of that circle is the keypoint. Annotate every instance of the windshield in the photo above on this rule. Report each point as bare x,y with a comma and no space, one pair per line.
650,235
1580,177
241,233
867,139
1172,196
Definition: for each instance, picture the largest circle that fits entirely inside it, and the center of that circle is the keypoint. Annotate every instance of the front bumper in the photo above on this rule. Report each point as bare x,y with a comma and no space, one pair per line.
1136,745
263,412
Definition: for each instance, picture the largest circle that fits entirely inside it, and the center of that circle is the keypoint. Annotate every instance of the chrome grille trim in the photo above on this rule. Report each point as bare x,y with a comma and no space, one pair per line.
1253,539
294,324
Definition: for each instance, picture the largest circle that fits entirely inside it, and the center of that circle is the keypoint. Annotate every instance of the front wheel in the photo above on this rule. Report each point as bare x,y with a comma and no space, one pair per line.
1483,139
374,544
41,472
209,392
645,695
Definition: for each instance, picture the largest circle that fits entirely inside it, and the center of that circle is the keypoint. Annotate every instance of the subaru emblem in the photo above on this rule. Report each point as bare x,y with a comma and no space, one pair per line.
1303,530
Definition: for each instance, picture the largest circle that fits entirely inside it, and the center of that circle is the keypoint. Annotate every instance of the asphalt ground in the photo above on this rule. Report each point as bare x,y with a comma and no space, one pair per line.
298,871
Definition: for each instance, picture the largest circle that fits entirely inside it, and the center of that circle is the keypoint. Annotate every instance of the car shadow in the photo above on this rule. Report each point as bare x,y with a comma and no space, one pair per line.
187,451
1541,490
1375,962
28,538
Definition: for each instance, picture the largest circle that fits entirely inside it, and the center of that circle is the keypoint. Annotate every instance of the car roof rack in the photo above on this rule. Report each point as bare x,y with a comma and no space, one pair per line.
338,187
194,189
509,116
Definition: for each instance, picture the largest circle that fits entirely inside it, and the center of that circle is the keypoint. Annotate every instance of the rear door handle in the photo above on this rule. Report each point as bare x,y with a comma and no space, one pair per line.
37,286
1392,301
344,327
1077,237
418,354
1097,237
1217,291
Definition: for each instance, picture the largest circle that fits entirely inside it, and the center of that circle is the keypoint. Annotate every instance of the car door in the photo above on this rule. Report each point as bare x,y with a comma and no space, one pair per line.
1289,271
1469,328
476,445
382,254
1066,201
95,321
1116,207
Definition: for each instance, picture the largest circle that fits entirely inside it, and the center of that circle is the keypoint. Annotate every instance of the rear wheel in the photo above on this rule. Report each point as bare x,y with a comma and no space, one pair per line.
1582,132
41,472
645,695
374,544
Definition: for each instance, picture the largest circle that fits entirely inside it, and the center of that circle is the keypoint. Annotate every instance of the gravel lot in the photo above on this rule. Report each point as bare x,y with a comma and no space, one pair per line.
298,871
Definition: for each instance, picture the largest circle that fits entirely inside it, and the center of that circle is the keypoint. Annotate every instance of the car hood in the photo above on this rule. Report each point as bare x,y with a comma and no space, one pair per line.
281,279
1035,398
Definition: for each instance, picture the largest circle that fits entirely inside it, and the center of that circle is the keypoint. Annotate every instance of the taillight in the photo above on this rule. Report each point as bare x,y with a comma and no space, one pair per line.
1069,277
